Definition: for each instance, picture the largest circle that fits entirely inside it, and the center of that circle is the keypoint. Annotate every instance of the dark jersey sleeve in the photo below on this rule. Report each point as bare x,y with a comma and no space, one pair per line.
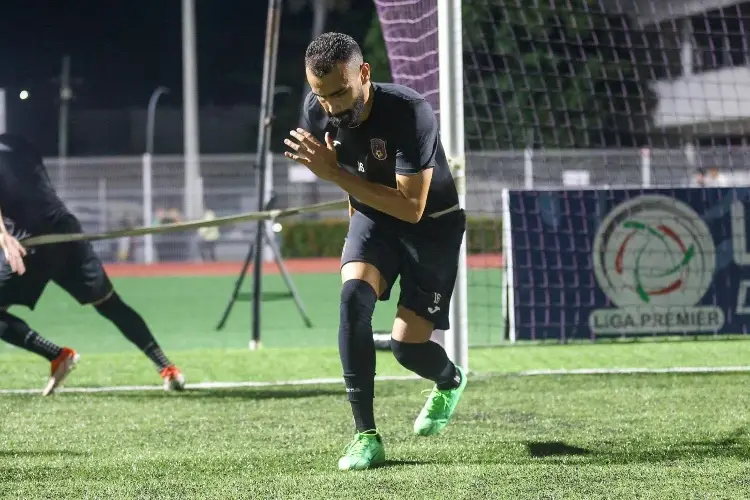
418,142
10,184
304,116
308,119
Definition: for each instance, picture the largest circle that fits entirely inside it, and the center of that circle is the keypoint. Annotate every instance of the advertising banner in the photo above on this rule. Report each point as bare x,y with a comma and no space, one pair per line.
602,263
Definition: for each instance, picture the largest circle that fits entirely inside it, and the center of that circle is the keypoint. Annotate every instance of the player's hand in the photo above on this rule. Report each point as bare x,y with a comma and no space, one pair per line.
14,252
308,151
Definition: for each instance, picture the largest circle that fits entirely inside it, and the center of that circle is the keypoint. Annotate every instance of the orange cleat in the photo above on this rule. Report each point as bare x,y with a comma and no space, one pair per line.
173,379
60,367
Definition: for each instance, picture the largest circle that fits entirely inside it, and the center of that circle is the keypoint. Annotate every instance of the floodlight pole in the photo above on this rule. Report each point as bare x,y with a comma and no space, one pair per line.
193,208
450,63
273,21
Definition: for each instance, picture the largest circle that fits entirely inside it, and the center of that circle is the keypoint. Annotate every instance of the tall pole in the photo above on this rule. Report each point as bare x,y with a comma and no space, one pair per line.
147,175
66,94
273,21
452,136
193,205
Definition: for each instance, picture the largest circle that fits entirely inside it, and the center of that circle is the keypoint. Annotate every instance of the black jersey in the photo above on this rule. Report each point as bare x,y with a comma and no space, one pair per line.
400,136
28,200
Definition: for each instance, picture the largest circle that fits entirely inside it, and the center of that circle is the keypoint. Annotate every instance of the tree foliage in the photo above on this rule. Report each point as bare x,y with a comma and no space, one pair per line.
375,51
548,74
553,74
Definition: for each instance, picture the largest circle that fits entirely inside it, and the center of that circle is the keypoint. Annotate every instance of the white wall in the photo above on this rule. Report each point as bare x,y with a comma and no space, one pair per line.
712,97
654,11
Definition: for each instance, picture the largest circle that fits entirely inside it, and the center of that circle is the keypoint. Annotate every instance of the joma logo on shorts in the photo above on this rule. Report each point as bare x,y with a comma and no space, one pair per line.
436,307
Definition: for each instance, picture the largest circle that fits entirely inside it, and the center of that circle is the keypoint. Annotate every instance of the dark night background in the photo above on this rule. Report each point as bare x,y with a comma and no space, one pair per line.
122,50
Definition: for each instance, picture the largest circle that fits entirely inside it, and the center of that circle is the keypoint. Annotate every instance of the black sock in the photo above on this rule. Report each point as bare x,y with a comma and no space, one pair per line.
15,331
134,328
428,360
357,350
156,355
360,395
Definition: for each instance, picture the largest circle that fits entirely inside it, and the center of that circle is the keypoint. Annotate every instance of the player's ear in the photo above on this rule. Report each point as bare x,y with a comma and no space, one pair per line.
364,73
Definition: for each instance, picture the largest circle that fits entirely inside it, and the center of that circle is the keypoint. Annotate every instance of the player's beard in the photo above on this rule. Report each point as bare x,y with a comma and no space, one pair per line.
351,117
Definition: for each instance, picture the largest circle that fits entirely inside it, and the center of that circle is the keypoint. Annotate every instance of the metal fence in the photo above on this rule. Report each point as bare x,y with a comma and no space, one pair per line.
108,192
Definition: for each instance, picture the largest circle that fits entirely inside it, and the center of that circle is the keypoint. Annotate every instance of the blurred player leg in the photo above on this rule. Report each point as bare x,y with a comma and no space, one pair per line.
83,277
134,328
15,331
25,290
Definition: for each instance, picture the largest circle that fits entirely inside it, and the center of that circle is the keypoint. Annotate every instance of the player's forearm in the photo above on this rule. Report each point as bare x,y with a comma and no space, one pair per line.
383,198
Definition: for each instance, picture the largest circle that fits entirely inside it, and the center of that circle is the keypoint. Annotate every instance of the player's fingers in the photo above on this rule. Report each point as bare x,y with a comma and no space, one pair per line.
303,145
20,268
20,248
292,144
14,260
298,147
306,137
298,158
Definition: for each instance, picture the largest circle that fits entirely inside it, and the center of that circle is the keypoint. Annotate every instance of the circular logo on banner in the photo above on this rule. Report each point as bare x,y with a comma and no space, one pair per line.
654,251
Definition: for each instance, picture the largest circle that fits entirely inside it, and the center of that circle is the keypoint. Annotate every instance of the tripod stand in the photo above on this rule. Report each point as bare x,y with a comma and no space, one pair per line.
257,246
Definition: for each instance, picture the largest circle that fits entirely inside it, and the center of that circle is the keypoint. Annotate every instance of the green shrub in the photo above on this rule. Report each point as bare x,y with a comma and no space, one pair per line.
325,237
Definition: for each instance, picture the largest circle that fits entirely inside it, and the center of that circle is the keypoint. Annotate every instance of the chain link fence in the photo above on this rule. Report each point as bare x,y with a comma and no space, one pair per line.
107,193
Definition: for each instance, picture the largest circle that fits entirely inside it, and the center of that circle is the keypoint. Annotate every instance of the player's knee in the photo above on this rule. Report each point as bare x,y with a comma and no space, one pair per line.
104,299
406,352
111,307
358,300
11,325
6,319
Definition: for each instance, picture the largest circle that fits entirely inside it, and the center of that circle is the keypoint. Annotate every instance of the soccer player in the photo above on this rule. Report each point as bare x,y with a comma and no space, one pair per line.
30,206
380,143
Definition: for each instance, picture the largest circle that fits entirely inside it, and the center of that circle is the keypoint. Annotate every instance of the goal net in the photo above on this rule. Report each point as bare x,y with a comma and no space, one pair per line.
607,162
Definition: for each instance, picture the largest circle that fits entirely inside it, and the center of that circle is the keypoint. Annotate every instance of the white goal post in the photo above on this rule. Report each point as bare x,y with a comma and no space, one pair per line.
450,47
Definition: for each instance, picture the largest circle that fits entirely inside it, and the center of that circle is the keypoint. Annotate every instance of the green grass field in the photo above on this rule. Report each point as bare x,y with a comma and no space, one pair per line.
183,313
658,436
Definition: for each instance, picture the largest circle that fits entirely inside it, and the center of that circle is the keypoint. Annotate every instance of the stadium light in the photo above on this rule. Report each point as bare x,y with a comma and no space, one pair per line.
23,95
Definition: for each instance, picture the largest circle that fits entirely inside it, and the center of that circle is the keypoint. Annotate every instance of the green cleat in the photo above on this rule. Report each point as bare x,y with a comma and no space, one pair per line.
364,452
439,408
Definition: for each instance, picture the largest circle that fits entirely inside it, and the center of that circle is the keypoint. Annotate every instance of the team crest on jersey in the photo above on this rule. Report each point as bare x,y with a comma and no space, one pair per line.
378,148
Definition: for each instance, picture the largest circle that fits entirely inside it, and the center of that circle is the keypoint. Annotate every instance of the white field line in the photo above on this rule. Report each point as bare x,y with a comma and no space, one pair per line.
634,371
206,385
338,380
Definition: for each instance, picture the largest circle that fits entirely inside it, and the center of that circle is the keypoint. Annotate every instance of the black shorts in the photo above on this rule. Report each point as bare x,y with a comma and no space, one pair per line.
426,260
75,267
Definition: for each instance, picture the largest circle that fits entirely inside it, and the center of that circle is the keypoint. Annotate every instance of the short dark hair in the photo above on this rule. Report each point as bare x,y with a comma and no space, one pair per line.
328,50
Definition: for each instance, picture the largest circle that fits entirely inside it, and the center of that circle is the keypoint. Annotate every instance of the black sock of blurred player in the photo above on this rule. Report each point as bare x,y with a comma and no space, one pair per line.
357,350
15,331
134,328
